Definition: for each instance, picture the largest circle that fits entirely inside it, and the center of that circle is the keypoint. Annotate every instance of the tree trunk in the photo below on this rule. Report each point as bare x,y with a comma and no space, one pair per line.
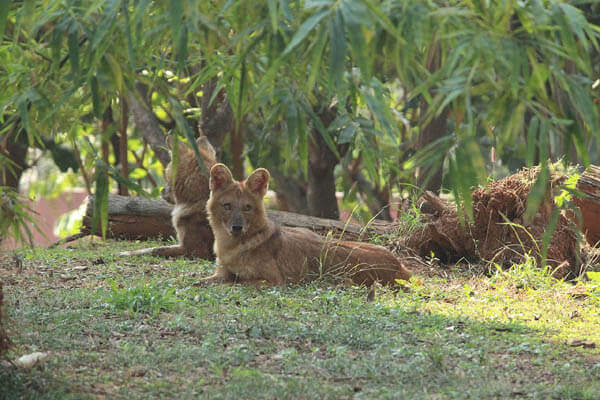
217,116
139,218
322,201
133,218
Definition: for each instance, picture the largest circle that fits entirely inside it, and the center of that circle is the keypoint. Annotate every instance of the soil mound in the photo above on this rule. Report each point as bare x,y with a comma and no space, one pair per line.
498,232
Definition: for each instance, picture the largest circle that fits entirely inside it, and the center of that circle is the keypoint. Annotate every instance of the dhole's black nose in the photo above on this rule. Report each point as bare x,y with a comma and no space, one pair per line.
236,229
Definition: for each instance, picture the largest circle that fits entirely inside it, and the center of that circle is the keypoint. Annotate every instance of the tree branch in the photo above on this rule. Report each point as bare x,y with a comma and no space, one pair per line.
149,125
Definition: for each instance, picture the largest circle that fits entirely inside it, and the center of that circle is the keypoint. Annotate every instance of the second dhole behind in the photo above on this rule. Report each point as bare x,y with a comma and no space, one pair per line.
251,249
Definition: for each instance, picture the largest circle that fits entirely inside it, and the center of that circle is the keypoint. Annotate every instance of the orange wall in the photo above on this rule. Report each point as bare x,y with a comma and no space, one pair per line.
48,211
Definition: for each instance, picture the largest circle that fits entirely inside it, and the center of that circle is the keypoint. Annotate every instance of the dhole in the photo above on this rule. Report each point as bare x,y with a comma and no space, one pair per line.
250,249
189,191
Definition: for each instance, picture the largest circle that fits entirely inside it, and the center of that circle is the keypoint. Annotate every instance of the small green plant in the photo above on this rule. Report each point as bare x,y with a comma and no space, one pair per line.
594,285
410,220
527,274
435,353
145,298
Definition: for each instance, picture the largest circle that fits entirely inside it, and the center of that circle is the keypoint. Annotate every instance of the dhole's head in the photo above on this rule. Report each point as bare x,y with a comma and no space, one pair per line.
236,207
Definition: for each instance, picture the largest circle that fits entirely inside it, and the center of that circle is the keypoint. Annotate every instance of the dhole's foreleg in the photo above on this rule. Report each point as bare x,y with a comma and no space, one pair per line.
221,275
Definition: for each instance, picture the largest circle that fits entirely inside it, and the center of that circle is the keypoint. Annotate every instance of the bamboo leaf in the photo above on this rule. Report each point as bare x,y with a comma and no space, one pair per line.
304,29
128,34
383,19
175,16
73,43
116,71
106,24
95,97
285,8
4,8
320,128
316,58
100,212
347,134
182,48
273,14
548,232
576,21
337,45
176,19
532,133
581,147
537,193
583,104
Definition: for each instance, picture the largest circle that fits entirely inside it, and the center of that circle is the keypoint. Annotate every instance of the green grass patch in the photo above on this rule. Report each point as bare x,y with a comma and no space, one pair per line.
137,328
148,298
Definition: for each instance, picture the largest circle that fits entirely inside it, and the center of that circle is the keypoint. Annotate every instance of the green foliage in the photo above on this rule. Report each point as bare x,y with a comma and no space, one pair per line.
144,298
527,275
16,218
594,286
513,77
70,223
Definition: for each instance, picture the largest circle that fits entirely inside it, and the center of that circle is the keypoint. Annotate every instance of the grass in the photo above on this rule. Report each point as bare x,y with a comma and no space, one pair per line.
137,328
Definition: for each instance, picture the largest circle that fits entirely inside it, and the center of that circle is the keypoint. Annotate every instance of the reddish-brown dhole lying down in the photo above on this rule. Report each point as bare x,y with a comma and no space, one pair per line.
250,249
190,191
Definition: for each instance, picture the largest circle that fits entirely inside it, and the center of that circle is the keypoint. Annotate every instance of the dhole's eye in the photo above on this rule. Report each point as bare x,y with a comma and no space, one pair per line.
227,206
247,207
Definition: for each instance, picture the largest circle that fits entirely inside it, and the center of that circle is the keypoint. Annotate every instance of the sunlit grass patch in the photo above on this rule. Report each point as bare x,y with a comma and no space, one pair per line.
527,275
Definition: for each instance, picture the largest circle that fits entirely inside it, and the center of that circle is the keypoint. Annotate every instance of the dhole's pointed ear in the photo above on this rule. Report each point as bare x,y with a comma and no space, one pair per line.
203,144
258,182
220,177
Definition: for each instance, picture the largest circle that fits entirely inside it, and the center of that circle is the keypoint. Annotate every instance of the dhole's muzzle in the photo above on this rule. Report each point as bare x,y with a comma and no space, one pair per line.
237,224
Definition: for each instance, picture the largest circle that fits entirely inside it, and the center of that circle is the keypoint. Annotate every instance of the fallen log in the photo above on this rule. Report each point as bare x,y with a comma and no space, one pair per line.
139,218
132,218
